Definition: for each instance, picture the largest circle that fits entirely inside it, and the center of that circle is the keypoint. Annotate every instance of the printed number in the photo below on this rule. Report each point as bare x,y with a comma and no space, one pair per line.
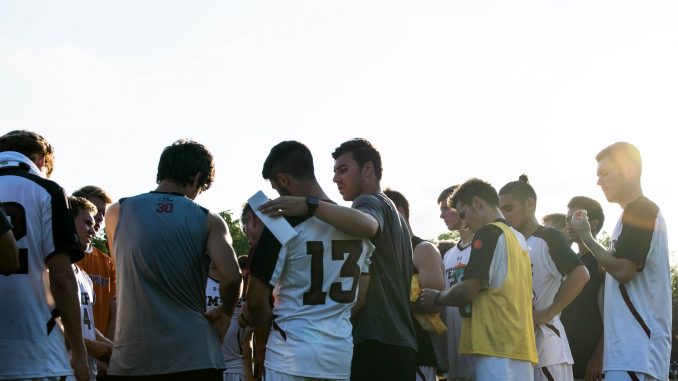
164,207
17,216
85,319
349,269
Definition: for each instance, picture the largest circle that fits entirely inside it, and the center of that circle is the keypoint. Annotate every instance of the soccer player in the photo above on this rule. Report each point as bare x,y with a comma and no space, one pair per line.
429,266
637,308
583,319
31,347
461,367
558,275
316,278
495,294
162,243
9,255
99,265
384,348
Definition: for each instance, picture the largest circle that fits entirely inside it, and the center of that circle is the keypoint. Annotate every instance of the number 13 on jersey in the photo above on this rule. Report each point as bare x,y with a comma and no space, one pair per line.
347,251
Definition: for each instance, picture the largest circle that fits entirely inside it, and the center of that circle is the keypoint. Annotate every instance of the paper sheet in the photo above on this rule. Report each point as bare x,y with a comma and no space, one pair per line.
281,229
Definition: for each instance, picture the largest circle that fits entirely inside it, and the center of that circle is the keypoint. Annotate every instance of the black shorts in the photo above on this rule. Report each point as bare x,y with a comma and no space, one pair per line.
373,360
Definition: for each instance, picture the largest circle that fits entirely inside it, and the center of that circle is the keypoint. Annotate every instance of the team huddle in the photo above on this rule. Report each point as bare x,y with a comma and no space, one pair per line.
352,294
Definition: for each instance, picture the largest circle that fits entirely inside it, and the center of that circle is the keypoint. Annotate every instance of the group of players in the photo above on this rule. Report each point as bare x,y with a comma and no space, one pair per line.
354,294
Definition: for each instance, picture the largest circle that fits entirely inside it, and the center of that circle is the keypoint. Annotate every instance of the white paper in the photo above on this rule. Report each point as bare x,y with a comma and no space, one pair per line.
281,229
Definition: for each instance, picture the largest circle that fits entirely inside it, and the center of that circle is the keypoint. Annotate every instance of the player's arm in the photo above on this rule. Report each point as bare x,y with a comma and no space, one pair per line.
348,220
65,292
257,311
101,348
112,215
112,317
622,269
221,253
571,287
363,286
9,255
427,260
458,295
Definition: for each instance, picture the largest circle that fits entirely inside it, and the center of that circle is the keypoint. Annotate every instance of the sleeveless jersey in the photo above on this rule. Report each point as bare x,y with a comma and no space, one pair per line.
315,276
231,348
101,271
86,299
31,346
637,315
501,320
162,264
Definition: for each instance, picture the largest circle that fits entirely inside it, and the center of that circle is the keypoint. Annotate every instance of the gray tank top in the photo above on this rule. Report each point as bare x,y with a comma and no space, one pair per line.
162,265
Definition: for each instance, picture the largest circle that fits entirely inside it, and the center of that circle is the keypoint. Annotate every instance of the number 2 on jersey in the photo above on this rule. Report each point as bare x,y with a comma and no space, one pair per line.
349,269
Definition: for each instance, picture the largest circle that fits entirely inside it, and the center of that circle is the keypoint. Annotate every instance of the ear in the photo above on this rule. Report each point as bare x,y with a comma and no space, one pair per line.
531,203
368,168
282,179
38,160
477,203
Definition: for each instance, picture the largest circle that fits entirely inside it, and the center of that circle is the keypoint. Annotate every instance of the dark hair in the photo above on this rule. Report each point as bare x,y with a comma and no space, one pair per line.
246,213
555,220
79,204
183,160
622,152
242,262
592,207
399,200
93,191
446,193
362,152
290,157
28,143
474,188
521,190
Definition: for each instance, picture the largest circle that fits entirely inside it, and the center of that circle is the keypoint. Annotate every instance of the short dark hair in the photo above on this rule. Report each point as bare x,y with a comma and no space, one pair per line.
28,143
399,200
246,213
93,191
183,160
623,152
362,152
474,188
555,220
290,157
446,193
79,204
521,190
592,207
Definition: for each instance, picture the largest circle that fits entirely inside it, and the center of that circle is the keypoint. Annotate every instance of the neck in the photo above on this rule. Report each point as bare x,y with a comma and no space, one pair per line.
312,189
371,188
172,187
633,191
529,228
465,237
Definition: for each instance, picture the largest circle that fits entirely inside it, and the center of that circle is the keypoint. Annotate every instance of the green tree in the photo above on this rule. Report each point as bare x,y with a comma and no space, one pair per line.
100,242
449,236
240,244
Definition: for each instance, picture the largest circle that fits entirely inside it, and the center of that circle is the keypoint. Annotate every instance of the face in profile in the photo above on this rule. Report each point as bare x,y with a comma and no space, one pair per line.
348,176
84,226
450,216
611,179
515,212
471,216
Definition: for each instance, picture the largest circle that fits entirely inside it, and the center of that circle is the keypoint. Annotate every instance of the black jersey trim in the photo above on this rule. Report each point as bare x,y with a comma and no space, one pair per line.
634,311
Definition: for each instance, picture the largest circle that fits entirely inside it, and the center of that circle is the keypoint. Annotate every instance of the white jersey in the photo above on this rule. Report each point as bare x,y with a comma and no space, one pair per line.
459,365
637,315
86,299
551,259
30,344
315,276
232,345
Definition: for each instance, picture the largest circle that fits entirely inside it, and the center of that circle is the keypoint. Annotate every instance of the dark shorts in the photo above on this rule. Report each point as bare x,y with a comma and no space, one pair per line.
373,360
200,374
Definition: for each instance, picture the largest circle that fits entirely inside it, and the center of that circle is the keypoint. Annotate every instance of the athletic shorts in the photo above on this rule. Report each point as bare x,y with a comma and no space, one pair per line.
554,373
373,360
623,375
272,375
503,369
233,376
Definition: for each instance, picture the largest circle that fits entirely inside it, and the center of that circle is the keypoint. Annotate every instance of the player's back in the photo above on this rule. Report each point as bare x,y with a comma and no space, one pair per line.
161,262
316,279
38,210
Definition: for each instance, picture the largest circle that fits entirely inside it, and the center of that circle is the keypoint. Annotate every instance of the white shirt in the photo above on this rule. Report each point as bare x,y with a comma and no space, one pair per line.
231,347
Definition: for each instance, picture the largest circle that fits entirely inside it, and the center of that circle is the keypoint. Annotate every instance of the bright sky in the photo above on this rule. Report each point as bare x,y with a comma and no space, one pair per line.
446,90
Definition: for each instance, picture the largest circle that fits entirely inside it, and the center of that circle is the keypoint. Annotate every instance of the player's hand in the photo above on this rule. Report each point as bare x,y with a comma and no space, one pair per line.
580,223
285,206
100,350
540,317
594,368
80,368
428,296
220,320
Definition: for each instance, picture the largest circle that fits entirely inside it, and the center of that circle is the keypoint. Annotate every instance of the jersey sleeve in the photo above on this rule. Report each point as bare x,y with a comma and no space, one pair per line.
561,253
638,224
482,252
265,257
61,225
371,205
369,249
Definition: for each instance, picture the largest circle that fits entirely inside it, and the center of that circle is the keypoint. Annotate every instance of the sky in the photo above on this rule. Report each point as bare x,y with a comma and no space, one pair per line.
446,90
